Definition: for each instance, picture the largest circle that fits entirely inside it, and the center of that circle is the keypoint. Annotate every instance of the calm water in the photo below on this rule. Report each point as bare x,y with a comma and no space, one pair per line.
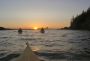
54,45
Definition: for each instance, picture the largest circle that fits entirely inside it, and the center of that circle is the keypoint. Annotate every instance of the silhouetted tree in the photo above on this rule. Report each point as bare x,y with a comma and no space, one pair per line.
81,21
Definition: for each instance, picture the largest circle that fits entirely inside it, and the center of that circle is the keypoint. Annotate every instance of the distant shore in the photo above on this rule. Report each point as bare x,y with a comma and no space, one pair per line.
3,28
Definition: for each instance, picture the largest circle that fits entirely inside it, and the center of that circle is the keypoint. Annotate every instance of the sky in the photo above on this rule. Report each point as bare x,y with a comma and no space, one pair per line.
40,13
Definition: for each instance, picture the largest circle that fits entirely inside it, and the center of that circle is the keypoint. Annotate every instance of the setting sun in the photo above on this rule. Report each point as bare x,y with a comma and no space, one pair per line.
35,28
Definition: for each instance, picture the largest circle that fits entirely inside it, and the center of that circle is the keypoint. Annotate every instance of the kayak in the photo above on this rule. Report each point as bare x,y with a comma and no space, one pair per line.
28,55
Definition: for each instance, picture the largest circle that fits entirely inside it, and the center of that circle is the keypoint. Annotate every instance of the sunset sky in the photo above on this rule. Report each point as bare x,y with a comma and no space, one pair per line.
40,13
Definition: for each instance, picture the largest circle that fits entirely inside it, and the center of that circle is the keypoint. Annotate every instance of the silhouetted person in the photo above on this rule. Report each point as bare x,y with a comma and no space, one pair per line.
42,30
20,31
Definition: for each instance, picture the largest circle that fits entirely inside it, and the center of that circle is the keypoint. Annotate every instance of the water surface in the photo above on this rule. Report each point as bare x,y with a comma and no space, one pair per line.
54,45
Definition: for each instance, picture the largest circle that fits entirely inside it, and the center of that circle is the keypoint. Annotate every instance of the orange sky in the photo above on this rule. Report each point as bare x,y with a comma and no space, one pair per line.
30,24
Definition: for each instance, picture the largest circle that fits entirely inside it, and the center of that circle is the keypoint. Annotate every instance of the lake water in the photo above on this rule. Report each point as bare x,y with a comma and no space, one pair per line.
54,45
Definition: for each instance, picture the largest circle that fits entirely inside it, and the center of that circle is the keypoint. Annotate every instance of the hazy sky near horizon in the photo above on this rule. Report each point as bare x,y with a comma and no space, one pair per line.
39,13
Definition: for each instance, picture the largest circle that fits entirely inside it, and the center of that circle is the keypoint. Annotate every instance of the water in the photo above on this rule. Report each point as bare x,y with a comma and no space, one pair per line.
54,45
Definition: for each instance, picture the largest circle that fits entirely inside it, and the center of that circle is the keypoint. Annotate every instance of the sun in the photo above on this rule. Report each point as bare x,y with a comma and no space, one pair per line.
35,28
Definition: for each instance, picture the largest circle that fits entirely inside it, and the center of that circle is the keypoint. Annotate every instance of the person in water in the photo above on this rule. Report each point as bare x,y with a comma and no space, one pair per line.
42,30
20,31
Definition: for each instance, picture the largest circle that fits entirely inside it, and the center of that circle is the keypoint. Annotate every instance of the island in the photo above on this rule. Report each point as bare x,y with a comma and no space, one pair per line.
3,28
81,21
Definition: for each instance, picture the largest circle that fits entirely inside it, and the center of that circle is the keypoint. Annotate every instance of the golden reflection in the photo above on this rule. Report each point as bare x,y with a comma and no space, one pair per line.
35,48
